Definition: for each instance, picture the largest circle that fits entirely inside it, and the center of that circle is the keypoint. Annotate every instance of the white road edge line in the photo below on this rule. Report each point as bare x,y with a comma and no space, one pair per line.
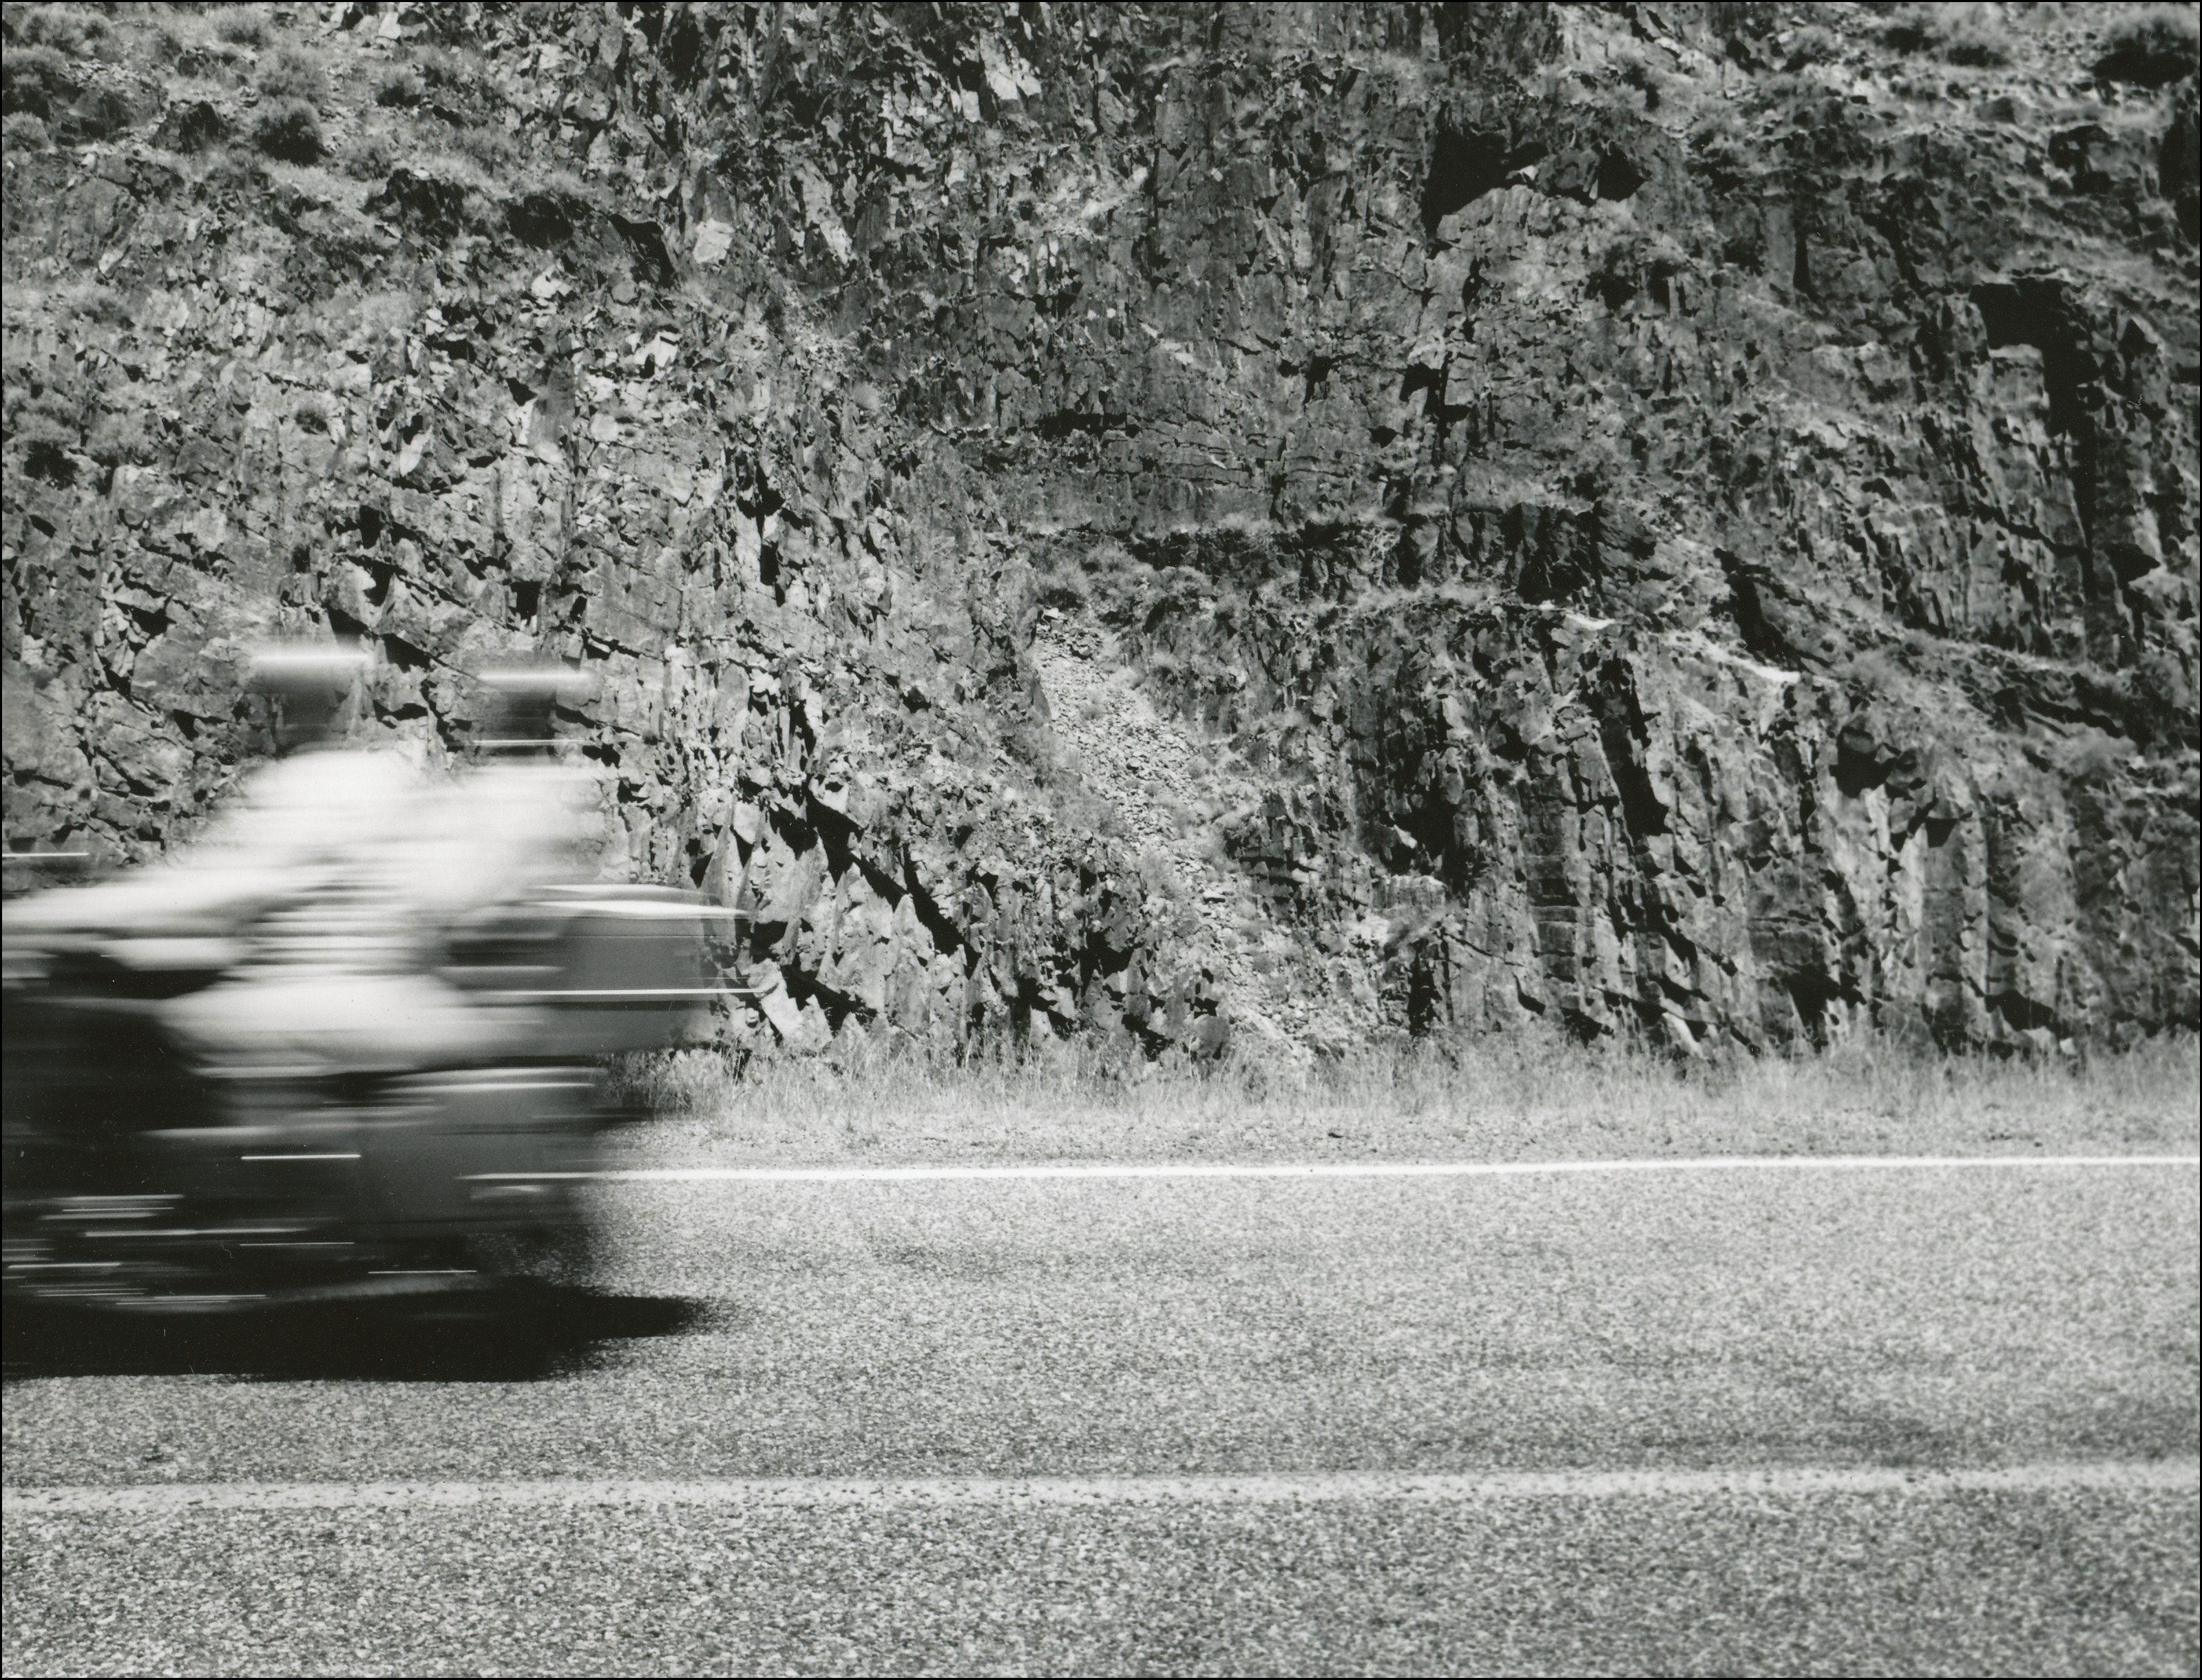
2173,1476
1357,1168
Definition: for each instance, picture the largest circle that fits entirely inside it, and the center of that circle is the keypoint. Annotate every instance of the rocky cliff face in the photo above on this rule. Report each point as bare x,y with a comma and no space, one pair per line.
1209,524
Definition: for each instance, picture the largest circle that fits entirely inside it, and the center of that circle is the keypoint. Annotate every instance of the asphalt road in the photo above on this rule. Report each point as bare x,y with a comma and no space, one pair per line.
1922,1421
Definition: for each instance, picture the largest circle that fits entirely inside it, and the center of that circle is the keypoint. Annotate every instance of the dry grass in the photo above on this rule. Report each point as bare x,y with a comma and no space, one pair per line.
1508,1099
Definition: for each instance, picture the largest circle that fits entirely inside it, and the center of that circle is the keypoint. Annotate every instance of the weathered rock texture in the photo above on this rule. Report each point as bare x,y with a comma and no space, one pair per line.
1264,522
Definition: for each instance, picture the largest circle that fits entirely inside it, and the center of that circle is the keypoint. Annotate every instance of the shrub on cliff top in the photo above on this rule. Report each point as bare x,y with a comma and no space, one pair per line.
432,71
37,80
292,132
190,46
294,75
2154,47
491,150
20,129
1959,33
74,32
122,438
247,26
370,155
1813,44
401,89
441,67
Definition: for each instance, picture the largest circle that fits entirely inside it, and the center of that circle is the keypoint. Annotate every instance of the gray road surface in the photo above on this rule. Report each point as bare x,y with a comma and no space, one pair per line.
1173,1425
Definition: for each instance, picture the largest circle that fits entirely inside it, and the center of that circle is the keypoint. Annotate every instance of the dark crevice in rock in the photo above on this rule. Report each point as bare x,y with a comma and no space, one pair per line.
653,261
47,460
2036,311
543,220
1068,422
1464,166
192,126
1641,808
1815,995
2027,1014
426,204
1618,177
946,939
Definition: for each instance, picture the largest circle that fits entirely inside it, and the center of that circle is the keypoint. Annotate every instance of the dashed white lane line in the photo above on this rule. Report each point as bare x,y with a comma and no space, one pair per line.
2154,1475
1366,1169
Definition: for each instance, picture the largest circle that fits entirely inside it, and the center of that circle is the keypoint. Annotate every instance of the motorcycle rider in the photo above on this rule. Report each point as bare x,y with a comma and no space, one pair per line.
330,889
520,818
335,975
303,1029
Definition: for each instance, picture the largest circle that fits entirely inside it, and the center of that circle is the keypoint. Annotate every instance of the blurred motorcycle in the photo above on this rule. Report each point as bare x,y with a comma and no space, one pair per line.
348,1047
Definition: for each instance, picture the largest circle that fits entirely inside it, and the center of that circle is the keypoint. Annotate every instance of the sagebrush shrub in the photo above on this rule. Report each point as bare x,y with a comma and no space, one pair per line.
246,26
22,129
36,79
291,74
491,150
2154,47
290,132
119,440
96,301
370,156
401,89
71,30
1813,44
192,51
1957,33
439,67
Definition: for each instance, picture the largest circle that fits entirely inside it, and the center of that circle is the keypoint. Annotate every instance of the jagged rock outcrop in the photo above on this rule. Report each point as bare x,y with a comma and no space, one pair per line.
1290,521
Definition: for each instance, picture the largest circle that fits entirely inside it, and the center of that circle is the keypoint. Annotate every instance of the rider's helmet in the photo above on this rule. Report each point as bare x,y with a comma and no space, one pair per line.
522,699
310,684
